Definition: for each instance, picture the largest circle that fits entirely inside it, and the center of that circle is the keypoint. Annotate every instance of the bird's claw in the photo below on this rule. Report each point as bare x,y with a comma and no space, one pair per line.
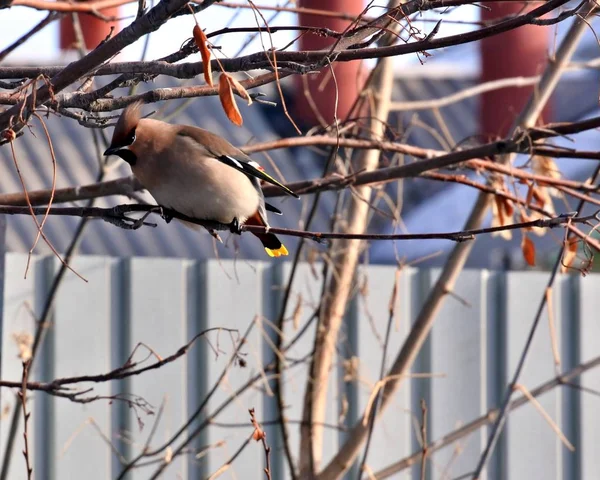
215,235
234,226
167,217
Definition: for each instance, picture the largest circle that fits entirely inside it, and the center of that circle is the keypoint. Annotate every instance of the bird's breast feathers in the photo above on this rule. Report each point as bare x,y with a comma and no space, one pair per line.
198,186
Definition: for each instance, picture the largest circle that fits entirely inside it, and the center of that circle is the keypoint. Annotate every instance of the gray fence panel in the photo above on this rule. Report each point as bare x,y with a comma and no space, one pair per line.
526,428
459,352
589,343
392,437
306,292
494,310
2,281
165,302
233,300
23,302
158,316
82,342
566,300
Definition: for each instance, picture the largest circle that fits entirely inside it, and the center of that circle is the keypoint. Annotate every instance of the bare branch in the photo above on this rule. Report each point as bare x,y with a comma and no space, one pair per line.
455,263
487,418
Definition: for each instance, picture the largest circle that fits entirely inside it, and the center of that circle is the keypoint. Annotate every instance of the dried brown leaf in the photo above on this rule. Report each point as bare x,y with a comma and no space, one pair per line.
202,44
24,341
508,207
228,101
499,211
529,194
547,166
569,254
239,88
538,197
528,249
500,216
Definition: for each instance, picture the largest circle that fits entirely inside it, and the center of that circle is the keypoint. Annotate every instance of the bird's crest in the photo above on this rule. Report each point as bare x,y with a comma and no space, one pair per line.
127,122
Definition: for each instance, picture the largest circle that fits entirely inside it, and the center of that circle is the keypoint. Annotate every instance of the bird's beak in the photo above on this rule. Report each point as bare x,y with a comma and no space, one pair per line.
111,151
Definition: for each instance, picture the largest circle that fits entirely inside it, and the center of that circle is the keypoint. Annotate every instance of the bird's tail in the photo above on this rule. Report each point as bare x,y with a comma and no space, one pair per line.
273,246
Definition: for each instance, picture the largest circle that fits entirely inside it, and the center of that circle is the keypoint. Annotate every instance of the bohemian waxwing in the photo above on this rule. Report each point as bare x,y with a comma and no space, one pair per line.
196,173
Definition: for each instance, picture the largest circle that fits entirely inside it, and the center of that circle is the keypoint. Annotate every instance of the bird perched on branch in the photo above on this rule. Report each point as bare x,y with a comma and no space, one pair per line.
196,173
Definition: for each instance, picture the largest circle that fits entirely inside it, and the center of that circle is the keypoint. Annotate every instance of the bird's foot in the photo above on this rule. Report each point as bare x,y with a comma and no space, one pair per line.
215,235
167,217
235,227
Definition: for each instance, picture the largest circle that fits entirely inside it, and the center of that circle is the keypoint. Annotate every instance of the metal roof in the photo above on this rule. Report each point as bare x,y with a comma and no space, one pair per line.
78,165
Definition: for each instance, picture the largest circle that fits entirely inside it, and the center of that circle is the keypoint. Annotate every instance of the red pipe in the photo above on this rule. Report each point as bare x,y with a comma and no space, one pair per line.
349,75
519,52
94,29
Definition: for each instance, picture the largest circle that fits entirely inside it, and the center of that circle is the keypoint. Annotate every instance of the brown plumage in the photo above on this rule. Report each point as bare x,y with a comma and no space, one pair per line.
194,172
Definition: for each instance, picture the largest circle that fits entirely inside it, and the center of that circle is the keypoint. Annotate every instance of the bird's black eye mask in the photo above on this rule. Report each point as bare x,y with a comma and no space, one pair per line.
127,155
120,149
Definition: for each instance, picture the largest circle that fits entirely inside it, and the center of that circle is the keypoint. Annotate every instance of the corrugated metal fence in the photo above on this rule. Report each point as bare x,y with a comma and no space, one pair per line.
165,302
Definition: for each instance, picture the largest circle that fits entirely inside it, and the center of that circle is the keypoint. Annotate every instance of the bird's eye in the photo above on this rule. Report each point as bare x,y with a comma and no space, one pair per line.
131,138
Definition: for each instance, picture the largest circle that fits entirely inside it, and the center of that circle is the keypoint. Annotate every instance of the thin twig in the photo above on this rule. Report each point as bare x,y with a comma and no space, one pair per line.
260,435
117,216
488,418
23,398
191,435
129,369
30,211
424,450
373,413
544,414
227,465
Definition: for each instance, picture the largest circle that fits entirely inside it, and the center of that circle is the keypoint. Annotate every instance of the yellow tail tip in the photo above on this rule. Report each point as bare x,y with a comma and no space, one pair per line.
281,251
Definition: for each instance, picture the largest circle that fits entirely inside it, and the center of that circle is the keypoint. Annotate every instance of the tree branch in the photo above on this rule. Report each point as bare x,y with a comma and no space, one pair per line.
486,419
118,216
447,279
15,118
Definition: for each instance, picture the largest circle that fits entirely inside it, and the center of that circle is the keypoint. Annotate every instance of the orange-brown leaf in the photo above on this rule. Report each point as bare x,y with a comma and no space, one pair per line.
508,207
242,92
569,254
228,101
528,249
538,197
500,211
202,44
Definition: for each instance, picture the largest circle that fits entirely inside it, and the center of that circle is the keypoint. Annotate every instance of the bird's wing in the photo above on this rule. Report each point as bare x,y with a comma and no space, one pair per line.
273,209
253,169
226,153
